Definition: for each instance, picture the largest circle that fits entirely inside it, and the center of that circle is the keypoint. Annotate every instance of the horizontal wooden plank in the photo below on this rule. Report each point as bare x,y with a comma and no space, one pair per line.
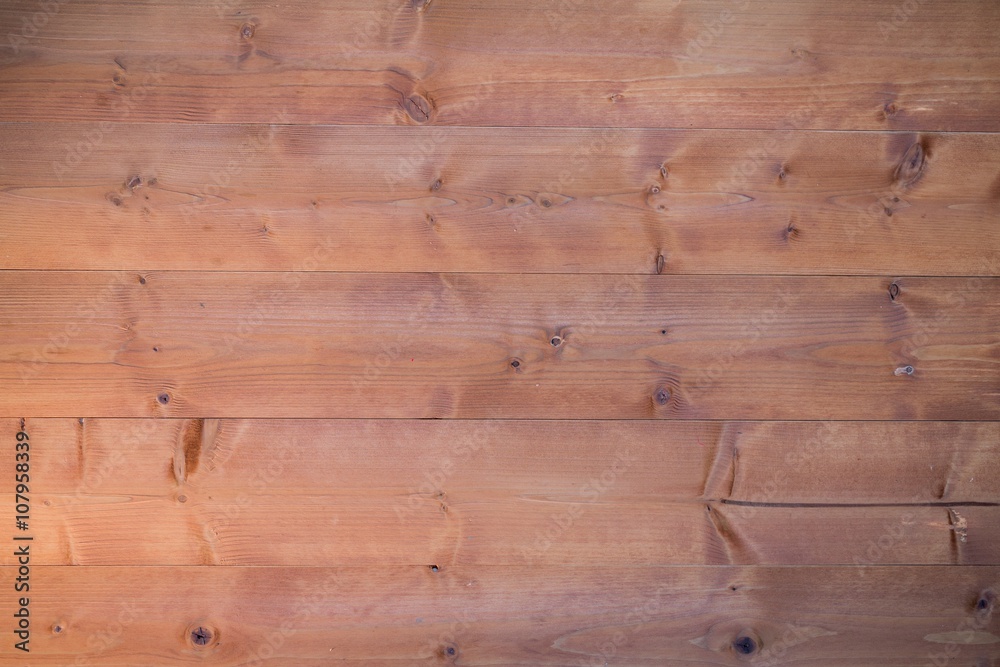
824,463
299,492
869,617
157,197
717,63
486,346
495,529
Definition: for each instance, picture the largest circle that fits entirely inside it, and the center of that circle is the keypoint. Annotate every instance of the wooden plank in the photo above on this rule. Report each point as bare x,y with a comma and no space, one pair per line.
820,463
870,617
300,492
154,197
241,528
474,346
638,63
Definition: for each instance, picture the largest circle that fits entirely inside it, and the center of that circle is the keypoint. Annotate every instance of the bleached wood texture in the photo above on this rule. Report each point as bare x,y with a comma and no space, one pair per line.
157,197
635,63
487,346
828,616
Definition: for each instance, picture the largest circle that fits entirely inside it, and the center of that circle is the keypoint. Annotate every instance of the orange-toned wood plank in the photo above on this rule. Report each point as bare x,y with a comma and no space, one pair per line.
829,616
585,528
484,346
638,63
300,492
158,197
413,460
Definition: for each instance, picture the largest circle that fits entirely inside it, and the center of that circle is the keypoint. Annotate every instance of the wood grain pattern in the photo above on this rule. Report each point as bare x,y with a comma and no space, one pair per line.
423,332
301,492
238,527
470,346
871,617
155,197
817,463
633,63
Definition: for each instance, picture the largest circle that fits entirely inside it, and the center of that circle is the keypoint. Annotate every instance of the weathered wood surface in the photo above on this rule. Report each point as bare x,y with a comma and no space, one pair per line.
156,197
353,614
633,63
497,346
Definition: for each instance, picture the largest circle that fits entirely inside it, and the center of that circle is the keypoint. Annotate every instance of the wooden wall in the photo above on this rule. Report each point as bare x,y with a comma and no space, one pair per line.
399,332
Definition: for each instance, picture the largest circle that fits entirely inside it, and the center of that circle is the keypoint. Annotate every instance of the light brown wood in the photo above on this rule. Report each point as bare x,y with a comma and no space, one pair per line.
635,63
239,527
443,493
871,617
473,346
423,332
805,463
157,197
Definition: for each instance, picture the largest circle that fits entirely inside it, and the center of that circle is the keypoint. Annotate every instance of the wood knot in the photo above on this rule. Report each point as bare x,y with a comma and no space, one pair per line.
745,645
911,167
985,603
893,291
888,110
903,370
418,107
163,399
201,636
661,262
420,5
247,30
662,396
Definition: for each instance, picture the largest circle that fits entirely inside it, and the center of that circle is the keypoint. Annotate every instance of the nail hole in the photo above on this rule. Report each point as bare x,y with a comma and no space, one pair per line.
515,364
156,349
57,629
663,332
555,341
450,650
435,568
